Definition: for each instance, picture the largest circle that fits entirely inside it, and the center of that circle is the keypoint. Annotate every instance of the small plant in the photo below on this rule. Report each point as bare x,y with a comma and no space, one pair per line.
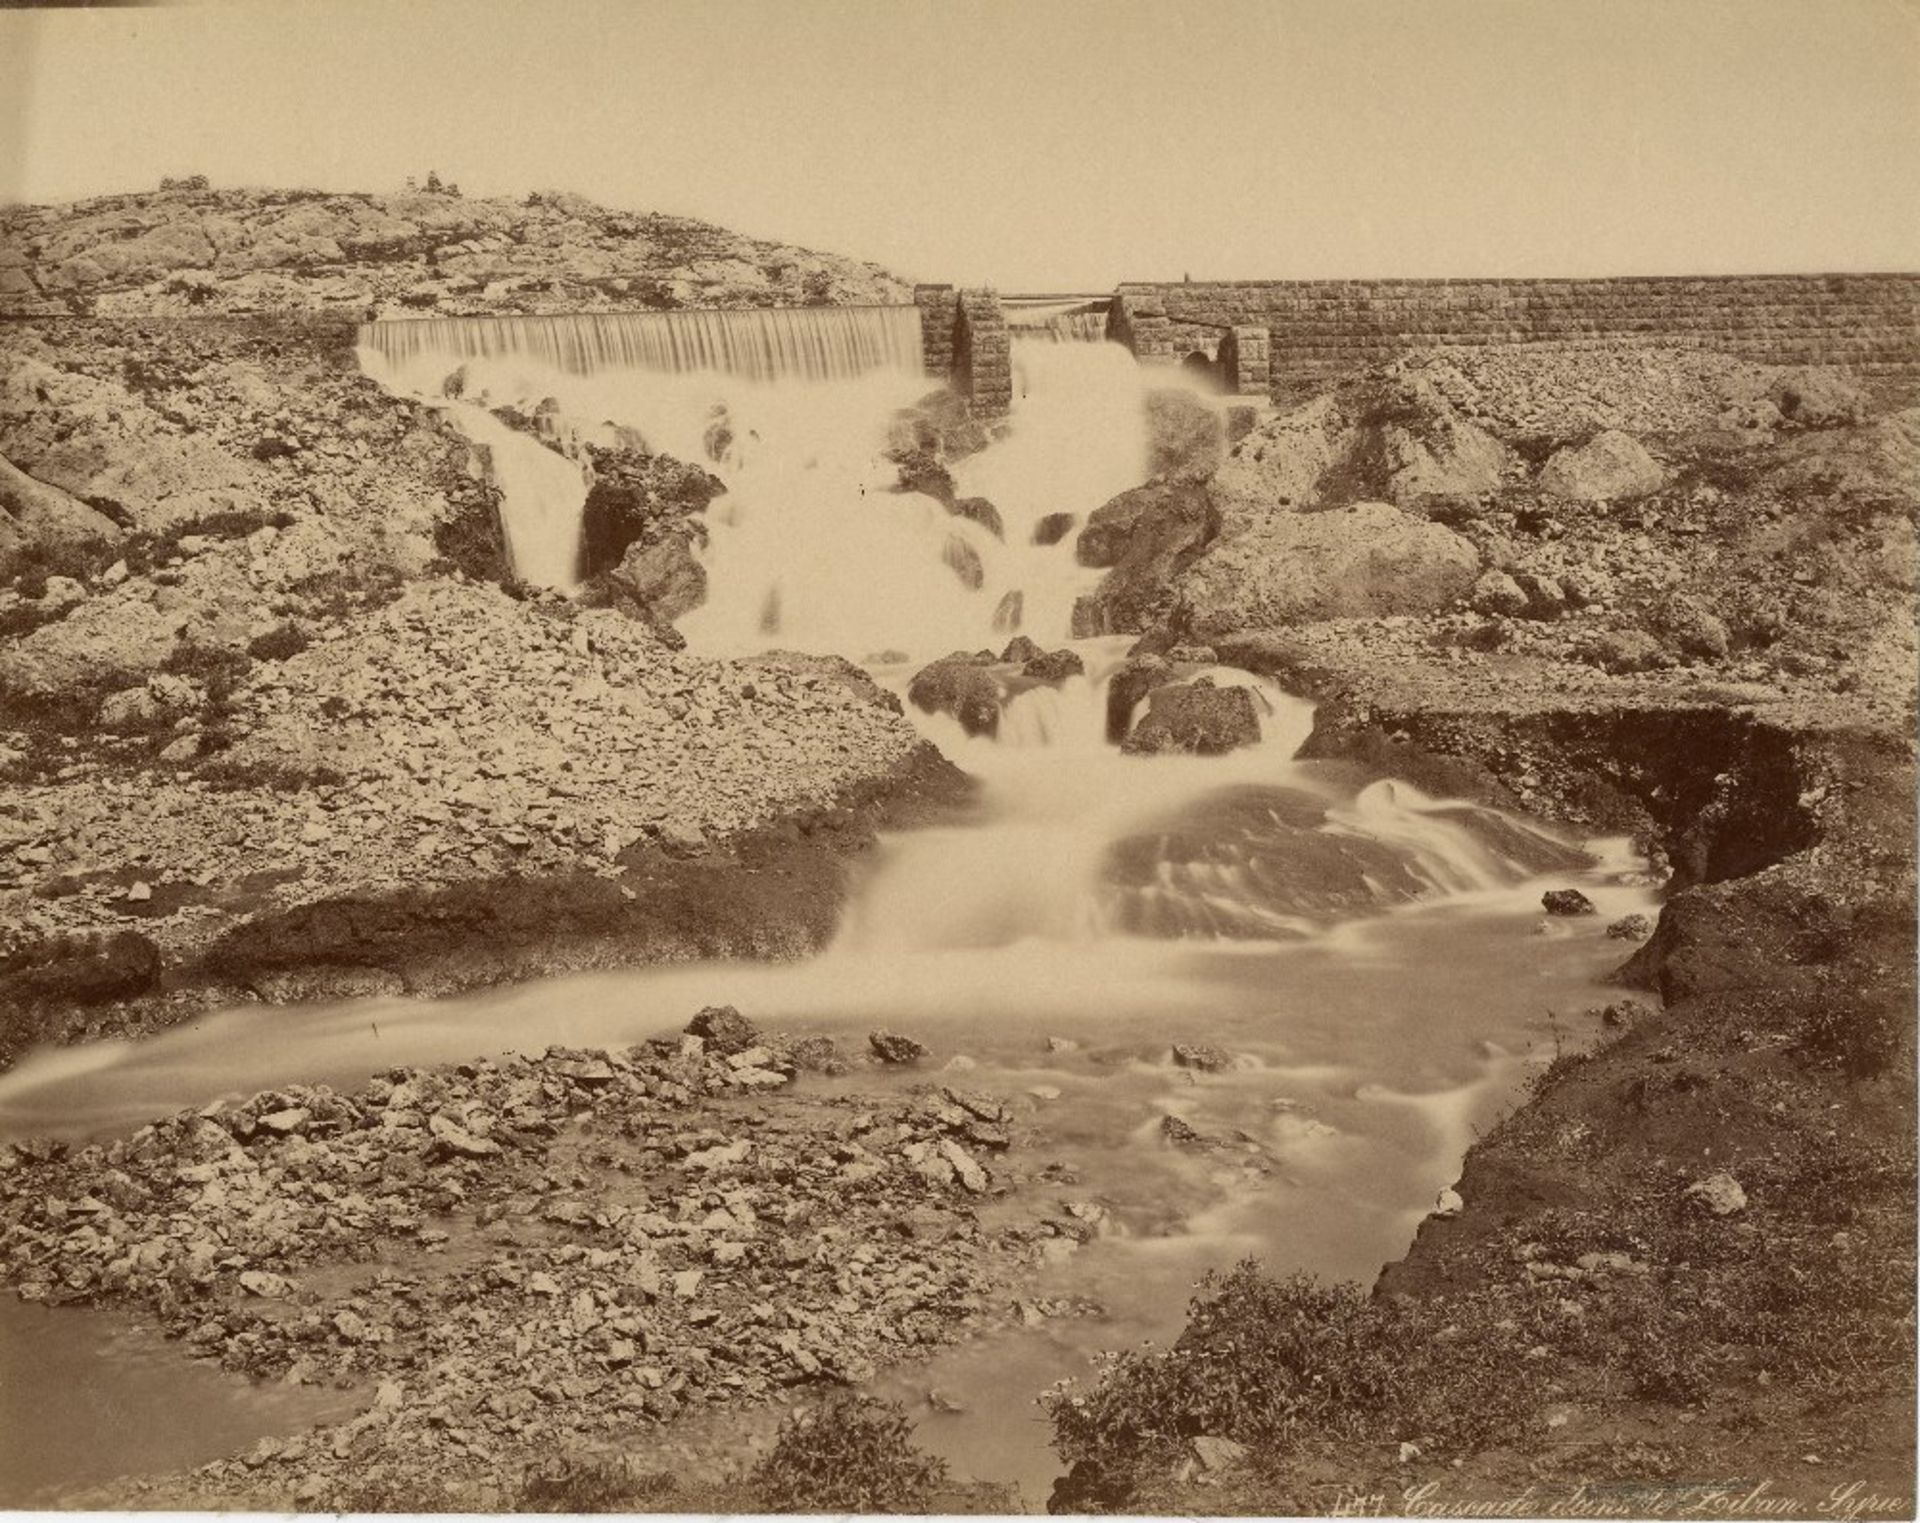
851,1453
576,1485
218,668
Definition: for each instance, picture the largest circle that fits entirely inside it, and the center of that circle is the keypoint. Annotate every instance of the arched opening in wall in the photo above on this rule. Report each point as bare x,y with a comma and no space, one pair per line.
1203,368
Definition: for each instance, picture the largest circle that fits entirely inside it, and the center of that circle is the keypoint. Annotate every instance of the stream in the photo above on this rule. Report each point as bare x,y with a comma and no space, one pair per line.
1370,967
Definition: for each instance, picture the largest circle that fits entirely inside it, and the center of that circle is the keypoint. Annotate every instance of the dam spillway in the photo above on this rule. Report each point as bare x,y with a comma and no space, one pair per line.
759,344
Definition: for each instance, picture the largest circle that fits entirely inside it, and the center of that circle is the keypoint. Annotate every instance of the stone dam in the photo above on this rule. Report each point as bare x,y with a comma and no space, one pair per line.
1282,337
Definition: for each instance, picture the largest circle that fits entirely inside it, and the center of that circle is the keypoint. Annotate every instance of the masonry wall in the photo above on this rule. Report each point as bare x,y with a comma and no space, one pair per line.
1867,323
964,340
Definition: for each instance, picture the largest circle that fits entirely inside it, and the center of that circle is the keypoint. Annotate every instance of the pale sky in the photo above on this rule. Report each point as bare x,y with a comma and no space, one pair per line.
1043,145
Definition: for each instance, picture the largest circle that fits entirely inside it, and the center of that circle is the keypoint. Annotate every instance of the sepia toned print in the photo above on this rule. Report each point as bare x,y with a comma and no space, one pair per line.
1221,822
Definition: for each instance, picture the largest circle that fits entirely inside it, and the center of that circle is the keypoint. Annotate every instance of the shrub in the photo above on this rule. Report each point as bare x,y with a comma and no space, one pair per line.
576,1485
219,669
278,643
142,552
851,1453
1259,1359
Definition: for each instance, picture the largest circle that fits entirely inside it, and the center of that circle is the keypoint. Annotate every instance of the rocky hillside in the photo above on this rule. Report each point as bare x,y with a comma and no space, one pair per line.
188,249
1642,512
259,651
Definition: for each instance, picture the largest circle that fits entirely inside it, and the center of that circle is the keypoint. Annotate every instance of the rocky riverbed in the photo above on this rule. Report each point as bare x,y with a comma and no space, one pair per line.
519,1256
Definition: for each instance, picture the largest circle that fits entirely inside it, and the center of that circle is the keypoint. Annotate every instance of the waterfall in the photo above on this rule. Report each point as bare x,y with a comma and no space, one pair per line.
671,373
813,546
764,344
1075,322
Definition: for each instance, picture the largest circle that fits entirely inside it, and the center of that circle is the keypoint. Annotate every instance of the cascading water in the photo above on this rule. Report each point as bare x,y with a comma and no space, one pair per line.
1362,951
1070,322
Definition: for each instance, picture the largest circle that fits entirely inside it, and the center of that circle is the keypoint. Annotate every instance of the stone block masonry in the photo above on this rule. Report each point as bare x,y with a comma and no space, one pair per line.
939,310
1867,324
964,339
983,354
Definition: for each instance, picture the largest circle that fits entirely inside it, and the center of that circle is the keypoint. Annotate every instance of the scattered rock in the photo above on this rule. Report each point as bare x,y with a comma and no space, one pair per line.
725,1030
1611,466
1496,593
1218,1454
1634,927
892,1048
1567,901
1206,1059
1718,1194
978,510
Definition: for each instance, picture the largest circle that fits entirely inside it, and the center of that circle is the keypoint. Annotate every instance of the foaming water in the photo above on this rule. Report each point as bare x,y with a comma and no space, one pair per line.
813,546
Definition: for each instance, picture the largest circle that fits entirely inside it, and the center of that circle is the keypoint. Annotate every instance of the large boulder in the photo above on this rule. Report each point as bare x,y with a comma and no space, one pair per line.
1812,396
960,686
1147,536
1609,466
1055,666
1423,447
638,498
1281,463
1196,717
1282,568
1392,437
659,582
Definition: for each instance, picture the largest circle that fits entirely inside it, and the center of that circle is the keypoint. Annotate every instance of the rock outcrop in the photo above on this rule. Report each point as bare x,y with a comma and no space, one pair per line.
1148,536
42,525
196,251
1285,567
636,497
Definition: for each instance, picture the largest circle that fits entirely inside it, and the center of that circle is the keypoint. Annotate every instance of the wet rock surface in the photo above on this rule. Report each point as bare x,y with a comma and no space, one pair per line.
516,1253
1197,718
960,685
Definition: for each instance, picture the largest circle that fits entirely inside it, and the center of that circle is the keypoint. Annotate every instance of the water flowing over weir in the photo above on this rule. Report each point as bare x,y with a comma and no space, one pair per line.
759,344
1369,964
